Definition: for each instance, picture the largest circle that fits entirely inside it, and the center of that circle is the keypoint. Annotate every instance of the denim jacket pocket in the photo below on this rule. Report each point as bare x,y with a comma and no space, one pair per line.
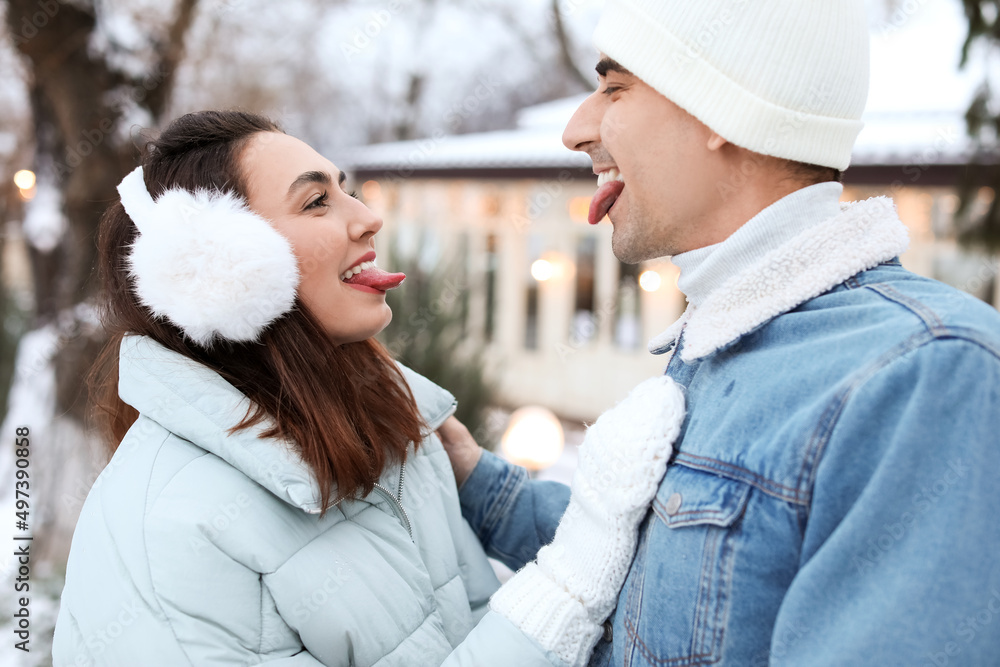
676,598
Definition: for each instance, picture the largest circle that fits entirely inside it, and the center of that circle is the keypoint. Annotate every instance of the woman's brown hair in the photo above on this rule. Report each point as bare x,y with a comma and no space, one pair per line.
346,407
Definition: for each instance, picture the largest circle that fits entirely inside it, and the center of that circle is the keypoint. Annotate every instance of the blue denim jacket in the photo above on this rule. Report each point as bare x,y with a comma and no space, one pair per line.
831,499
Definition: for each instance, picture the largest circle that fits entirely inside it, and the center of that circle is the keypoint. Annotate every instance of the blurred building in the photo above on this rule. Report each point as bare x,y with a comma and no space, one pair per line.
565,323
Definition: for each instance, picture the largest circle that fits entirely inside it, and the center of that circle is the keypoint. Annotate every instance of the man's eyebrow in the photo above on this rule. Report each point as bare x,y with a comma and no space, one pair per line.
315,177
608,65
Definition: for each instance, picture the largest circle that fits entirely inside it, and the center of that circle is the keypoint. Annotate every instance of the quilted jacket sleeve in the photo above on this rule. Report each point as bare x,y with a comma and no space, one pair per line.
496,642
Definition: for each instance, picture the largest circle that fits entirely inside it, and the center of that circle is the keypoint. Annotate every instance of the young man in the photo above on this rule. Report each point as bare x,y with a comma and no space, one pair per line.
831,495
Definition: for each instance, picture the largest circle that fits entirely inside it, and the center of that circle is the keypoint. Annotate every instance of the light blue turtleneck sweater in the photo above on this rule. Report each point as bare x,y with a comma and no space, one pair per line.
704,270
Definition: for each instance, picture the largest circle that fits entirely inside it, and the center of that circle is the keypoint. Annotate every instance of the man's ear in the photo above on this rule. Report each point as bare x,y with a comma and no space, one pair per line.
715,142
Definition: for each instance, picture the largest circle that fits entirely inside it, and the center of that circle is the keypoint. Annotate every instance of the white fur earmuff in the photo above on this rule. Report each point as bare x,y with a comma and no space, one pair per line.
207,263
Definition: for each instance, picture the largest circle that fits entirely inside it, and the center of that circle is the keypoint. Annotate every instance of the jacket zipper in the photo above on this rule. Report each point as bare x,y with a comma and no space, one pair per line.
397,499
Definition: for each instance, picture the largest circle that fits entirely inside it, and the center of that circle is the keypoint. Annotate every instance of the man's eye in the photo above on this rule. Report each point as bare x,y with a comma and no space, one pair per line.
611,90
318,202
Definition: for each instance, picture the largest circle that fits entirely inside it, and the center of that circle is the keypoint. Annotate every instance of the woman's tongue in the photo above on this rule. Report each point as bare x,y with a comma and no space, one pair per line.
603,200
377,278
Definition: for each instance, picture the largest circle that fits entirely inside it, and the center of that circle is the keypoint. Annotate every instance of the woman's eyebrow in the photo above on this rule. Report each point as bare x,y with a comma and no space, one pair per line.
320,177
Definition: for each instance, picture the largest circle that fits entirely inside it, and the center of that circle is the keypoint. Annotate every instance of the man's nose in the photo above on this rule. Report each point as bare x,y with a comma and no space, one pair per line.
584,128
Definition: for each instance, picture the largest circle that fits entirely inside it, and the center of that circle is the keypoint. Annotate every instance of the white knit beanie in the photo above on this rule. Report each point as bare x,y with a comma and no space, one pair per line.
786,78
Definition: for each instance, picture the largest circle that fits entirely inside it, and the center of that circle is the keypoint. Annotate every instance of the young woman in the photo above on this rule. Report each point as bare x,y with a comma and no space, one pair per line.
276,493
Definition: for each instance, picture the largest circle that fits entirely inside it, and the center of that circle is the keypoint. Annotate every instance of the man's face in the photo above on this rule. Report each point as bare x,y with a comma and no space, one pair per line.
660,153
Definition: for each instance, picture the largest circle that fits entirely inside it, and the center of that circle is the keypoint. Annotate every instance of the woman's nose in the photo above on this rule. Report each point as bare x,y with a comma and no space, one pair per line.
365,224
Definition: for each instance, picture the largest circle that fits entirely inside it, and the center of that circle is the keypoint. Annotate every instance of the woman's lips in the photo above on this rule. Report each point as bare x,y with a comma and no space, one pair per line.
603,200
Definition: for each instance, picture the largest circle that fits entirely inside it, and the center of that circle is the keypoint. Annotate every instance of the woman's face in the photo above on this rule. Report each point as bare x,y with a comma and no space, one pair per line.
331,233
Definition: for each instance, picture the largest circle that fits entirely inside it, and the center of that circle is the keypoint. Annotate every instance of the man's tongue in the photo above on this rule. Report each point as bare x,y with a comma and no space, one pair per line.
603,200
377,278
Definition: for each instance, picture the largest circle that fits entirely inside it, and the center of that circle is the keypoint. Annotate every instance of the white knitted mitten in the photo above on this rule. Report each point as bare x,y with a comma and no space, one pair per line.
562,598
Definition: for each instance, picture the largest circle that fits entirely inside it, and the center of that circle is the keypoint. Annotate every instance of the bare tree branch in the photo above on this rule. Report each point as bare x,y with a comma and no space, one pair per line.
565,50
171,54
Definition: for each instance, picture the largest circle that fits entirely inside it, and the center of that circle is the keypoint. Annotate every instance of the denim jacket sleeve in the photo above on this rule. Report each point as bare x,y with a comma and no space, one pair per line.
899,555
513,516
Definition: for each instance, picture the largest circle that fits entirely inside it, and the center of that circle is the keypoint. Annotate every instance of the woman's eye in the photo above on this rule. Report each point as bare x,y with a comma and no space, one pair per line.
354,193
611,90
318,202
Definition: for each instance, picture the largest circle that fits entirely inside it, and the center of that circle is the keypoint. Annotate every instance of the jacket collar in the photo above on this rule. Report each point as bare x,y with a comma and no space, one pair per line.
864,235
197,404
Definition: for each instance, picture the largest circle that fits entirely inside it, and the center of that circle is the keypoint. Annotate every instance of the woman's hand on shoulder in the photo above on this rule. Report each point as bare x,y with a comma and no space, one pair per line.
462,448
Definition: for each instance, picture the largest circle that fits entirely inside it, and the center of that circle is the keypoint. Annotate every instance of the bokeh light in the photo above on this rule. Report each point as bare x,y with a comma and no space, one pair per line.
650,280
24,179
371,190
542,270
533,439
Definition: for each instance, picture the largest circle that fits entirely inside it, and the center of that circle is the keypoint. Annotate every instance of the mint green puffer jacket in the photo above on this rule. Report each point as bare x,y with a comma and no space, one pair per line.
196,547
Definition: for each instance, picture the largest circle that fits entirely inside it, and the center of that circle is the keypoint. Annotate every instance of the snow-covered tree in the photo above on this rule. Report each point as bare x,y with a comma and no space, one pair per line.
92,71
983,119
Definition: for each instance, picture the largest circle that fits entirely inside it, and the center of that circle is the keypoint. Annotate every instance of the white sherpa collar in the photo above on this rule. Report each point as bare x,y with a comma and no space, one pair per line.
864,235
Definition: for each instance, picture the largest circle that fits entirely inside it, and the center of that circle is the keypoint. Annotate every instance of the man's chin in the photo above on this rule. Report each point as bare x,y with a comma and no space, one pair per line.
624,243
631,248
627,251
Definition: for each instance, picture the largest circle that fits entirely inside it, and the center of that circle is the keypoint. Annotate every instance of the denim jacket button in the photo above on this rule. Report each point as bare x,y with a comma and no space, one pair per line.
608,632
674,504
